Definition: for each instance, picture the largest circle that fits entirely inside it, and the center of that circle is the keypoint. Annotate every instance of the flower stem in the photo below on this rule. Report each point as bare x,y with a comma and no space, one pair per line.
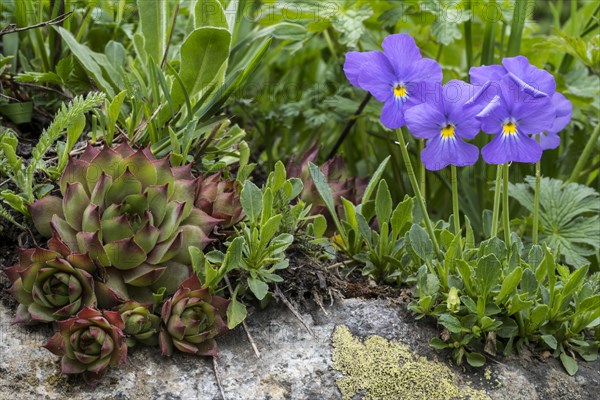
489,36
455,205
469,37
455,200
505,210
413,181
536,200
496,211
422,176
587,151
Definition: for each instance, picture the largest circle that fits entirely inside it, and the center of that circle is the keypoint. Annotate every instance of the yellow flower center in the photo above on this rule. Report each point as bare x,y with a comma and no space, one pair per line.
400,91
510,128
448,131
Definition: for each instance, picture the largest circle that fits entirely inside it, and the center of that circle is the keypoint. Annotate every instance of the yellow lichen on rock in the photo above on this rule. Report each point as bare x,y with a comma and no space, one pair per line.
382,369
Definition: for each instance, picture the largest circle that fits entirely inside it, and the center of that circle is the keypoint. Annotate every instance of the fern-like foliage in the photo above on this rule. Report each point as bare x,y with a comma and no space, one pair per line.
70,119
66,116
569,216
6,215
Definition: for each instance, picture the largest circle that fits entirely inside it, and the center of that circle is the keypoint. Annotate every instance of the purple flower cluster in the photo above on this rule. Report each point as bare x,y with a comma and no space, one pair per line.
516,101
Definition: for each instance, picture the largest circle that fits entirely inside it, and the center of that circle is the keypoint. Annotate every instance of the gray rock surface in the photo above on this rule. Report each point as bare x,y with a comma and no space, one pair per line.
294,364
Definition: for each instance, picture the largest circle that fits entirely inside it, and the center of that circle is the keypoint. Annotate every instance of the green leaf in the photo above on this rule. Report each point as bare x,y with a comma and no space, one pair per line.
269,229
325,192
488,273
538,316
94,63
475,359
509,284
115,53
574,282
210,13
350,24
153,26
251,199
447,25
374,180
451,323
420,242
569,363
236,313
438,344
402,217
550,341
202,54
258,287
565,220
383,203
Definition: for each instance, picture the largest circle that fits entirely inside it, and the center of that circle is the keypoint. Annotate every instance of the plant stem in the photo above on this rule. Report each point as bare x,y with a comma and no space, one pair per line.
468,27
422,172
455,208
489,38
349,126
536,199
455,205
496,211
516,29
587,151
505,210
415,186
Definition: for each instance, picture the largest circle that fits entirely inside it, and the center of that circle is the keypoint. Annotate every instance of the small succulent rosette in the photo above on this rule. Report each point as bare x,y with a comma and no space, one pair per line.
51,284
135,216
220,198
192,319
89,343
141,325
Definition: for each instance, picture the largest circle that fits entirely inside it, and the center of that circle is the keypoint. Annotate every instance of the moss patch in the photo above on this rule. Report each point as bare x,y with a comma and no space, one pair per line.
382,369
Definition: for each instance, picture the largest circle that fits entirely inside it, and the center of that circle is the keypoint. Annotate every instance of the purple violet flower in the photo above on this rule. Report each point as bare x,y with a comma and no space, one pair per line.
513,114
564,110
396,76
445,119
534,81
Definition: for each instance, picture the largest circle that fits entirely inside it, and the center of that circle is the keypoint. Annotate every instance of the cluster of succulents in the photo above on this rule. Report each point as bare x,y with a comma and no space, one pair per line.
118,245
117,272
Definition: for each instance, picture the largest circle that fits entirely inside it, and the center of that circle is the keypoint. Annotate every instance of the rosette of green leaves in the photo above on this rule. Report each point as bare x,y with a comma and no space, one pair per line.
220,198
51,284
89,343
135,216
192,319
141,324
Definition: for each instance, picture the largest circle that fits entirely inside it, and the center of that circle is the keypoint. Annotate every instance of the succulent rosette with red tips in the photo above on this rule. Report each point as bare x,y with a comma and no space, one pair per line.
141,325
89,343
192,319
52,284
133,214
220,198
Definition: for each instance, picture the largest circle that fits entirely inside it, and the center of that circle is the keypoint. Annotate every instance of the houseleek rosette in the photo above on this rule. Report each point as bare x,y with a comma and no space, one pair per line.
89,343
192,319
220,198
51,284
141,325
133,214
